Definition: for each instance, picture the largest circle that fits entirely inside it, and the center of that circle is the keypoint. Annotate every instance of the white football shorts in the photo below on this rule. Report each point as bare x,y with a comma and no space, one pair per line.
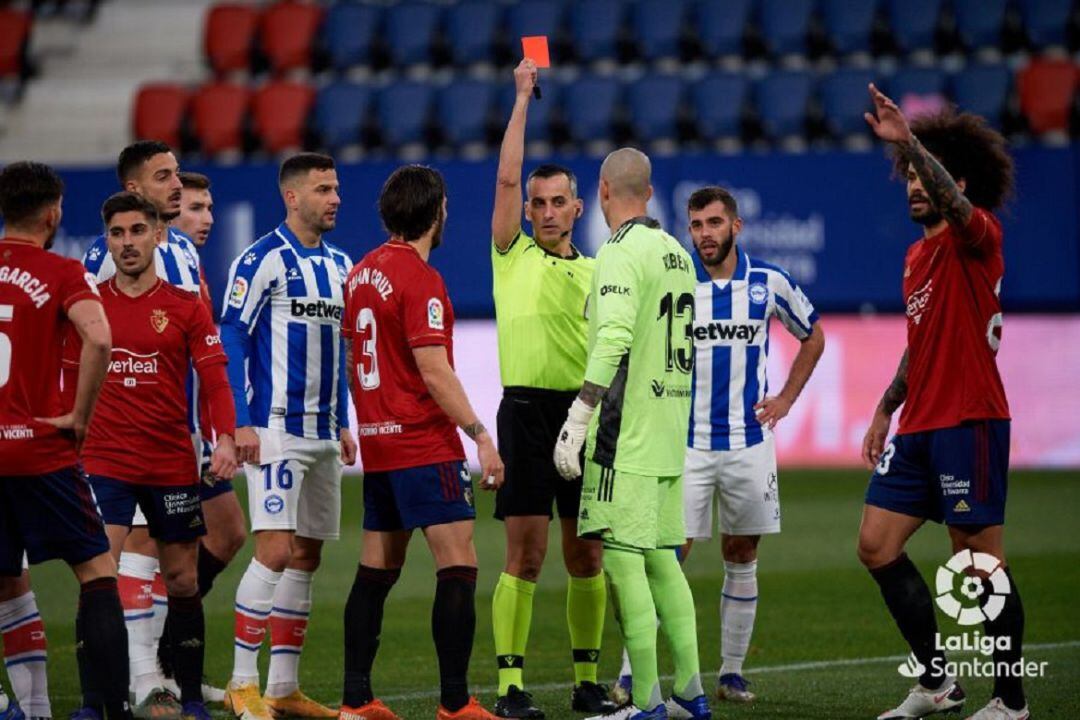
742,483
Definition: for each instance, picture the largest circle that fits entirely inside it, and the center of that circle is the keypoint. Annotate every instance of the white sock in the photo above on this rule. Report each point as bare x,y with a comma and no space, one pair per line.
135,581
738,606
161,604
625,669
253,601
24,654
288,626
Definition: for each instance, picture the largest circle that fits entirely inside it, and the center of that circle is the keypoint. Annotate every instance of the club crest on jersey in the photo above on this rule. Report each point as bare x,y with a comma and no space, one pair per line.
159,320
759,294
435,314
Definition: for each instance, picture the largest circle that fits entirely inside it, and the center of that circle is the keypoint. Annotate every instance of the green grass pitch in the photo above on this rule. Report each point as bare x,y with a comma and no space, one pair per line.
823,647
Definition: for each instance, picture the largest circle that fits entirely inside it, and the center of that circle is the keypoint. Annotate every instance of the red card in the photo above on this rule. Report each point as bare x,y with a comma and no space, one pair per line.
535,48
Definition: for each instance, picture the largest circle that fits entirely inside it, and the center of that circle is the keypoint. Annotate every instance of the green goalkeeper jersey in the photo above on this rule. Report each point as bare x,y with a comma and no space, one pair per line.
641,313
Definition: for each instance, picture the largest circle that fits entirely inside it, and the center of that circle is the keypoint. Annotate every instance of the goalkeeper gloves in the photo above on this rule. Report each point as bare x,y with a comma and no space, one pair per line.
571,438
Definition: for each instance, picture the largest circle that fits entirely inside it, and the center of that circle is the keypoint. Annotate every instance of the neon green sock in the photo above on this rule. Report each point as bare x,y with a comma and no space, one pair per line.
675,606
625,569
586,601
511,616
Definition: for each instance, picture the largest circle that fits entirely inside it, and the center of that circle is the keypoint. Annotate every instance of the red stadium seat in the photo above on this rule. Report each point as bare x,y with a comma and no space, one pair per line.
1047,88
217,113
229,34
287,34
14,34
159,112
279,114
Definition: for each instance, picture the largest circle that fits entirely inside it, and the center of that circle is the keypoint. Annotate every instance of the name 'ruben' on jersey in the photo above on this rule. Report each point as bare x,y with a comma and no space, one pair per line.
731,344
286,301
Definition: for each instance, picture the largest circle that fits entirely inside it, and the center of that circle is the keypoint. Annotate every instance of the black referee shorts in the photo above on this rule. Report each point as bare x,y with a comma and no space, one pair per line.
528,423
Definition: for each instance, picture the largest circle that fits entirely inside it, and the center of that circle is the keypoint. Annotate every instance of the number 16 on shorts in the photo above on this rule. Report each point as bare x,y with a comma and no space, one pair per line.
274,491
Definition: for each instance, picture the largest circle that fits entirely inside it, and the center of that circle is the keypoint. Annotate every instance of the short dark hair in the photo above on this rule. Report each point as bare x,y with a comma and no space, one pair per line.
194,181
411,200
703,197
548,170
969,149
25,188
128,202
303,163
134,155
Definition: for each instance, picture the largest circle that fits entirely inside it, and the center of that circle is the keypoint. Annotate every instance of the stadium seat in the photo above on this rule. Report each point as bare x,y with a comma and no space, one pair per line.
782,99
718,101
349,33
403,111
913,23
983,90
1046,21
15,28
654,102
920,81
979,22
287,34
849,24
591,103
463,110
541,112
785,24
410,30
279,112
657,26
472,26
229,35
217,116
1047,89
844,99
720,26
594,28
158,113
535,17
340,111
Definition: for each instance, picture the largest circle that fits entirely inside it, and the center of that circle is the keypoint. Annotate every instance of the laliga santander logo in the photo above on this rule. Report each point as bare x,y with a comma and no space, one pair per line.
959,594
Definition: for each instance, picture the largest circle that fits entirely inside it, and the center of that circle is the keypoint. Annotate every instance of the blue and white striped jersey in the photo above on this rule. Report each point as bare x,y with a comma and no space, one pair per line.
282,316
731,344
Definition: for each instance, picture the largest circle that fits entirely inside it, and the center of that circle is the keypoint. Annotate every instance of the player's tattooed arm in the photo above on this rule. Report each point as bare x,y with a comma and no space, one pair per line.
940,186
896,393
591,394
474,429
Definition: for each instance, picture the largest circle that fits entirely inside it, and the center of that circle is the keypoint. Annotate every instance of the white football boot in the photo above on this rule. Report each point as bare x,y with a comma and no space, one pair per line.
921,702
996,710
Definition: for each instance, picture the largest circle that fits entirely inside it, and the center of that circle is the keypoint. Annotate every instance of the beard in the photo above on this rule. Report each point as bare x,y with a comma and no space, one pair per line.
436,237
723,251
928,218
51,239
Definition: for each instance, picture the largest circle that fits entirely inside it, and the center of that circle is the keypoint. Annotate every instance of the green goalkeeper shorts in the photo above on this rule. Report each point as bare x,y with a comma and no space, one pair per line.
632,510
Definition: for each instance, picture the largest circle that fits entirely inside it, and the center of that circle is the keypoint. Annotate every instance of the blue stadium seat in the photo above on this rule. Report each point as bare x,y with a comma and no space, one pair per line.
591,103
983,90
403,112
349,33
654,102
657,24
844,99
535,17
339,114
721,25
915,81
785,24
541,112
718,101
472,25
849,24
594,27
913,23
979,22
463,110
782,99
410,29
1046,21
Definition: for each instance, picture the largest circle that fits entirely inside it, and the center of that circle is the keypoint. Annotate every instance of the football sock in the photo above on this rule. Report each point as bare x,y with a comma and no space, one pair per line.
625,669
738,606
511,617
625,570
908,599
134,581
363,625
453,625
187,638
24,654
586,602
678,620
254,596
289,614
102,647
1010,624
161,603
209,567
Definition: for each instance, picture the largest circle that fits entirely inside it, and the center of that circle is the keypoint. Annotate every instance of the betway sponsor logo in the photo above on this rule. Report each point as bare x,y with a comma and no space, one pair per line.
125,362
318,309
726,332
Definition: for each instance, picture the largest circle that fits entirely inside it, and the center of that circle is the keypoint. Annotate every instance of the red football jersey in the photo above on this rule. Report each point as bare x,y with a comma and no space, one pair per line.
37,288
139,432
394,302
951,286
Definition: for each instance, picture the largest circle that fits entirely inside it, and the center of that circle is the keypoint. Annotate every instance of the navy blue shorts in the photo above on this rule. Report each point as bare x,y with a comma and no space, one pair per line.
956,475
208,491
418,497
173,512
51,516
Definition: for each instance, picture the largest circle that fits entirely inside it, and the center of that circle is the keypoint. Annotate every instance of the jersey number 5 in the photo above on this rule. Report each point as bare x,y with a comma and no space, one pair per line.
678,352
7,314
368,368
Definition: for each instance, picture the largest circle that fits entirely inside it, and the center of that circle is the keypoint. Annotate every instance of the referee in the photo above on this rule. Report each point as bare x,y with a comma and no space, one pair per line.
541,287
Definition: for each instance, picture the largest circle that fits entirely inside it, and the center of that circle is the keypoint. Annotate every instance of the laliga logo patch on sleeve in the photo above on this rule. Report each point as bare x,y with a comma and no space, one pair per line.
238,292
435,314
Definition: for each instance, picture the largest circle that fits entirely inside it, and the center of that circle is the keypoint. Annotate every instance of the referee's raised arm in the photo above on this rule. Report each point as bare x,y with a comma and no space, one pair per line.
506,218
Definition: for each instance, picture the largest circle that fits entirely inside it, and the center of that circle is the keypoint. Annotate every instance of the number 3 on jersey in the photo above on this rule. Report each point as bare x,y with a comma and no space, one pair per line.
368,368
7,314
